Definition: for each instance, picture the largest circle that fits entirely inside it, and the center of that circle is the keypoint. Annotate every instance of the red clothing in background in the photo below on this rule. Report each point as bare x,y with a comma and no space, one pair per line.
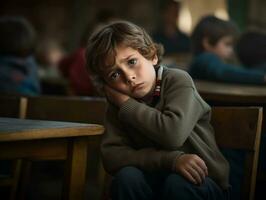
73,68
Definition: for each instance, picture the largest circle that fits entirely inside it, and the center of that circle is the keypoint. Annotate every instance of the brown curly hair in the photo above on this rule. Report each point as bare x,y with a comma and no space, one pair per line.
101,47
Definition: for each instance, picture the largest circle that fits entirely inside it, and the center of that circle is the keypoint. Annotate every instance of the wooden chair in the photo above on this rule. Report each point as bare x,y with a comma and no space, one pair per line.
15,107
73,109
228,94
239,128
12,106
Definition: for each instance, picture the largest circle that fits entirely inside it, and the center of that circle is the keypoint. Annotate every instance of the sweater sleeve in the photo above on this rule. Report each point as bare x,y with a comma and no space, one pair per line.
117,151
171,126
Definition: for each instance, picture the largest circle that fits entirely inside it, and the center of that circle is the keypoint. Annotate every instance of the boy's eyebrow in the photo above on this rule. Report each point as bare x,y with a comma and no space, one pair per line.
112,68
109,70
125,59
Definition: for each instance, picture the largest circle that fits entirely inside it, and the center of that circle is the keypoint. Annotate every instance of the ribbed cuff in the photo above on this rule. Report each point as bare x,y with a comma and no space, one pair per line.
170,159
175,160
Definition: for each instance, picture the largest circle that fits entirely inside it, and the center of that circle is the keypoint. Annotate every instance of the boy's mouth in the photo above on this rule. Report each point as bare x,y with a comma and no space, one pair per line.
137,87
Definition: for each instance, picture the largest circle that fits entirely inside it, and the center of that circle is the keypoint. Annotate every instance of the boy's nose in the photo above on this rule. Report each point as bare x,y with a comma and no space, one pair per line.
131,78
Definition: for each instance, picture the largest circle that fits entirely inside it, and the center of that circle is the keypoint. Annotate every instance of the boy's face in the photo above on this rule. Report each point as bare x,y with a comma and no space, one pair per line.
223,48
132,74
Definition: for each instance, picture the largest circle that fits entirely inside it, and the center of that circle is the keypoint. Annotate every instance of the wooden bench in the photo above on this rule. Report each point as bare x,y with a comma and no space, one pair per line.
227,94
239,128
12,106
74,109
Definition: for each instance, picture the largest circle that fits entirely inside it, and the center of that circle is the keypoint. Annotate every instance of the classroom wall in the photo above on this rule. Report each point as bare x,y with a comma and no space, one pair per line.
65,20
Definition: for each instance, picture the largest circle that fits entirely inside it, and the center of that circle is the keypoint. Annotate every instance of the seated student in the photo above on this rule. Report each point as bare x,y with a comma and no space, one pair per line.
251,50
168,34
73,65
212,43
158,142
18,69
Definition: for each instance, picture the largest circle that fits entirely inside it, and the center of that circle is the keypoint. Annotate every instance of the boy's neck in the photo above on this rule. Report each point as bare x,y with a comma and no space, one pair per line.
154,95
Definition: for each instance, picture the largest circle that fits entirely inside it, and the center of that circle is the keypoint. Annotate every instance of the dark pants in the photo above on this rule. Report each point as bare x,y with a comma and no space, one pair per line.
131,183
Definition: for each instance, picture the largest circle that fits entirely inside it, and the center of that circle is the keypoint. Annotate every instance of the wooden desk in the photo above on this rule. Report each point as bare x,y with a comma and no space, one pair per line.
48,140
225,94
231,93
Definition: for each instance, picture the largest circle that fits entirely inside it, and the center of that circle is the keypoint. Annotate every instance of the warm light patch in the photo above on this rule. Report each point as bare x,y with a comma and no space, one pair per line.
184,22
192,10
221,13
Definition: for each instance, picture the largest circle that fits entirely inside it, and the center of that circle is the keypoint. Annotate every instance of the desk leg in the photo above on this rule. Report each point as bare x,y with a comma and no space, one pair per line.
76,165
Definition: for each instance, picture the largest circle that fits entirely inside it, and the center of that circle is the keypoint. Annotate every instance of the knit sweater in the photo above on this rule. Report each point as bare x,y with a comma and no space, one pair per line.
208,66
152,138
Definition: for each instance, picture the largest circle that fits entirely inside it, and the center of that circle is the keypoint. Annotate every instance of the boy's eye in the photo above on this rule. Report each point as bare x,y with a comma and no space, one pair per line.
132,61
115,75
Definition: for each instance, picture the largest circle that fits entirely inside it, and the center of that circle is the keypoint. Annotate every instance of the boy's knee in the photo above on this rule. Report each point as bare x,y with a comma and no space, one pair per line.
176,182
129,176
176,187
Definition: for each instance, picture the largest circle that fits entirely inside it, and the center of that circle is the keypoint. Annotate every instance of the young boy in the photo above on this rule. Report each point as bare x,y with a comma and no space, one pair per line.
212,43
158,142
18,68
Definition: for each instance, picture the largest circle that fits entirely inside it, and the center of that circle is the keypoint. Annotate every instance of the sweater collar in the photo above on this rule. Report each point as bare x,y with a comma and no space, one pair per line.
157,92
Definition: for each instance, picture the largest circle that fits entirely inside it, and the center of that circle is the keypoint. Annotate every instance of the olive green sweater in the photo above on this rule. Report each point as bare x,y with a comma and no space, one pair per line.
152,138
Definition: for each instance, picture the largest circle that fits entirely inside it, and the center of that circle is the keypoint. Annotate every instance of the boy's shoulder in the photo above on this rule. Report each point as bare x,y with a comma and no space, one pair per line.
177,77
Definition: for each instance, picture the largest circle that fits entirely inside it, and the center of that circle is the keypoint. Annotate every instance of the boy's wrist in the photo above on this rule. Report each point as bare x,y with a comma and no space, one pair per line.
175,161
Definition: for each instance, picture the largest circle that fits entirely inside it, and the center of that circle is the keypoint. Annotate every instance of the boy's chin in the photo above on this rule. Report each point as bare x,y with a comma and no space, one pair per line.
142,96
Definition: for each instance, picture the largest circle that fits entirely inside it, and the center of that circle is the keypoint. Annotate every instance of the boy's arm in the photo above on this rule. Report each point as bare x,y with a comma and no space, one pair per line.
117,152
170,127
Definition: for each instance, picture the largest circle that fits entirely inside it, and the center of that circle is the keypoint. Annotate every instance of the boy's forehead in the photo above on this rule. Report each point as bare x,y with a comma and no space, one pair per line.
120,53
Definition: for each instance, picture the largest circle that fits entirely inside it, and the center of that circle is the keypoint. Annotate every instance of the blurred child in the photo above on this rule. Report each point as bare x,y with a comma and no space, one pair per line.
212,41
168,34
251,50
158,142
72,66
18,69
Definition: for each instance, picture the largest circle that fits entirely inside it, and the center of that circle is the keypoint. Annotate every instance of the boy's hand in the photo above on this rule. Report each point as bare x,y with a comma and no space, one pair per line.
114,96
192,167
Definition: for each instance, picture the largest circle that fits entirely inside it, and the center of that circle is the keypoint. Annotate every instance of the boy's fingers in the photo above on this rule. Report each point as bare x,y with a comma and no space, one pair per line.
202,165
200,171
195,174
189,177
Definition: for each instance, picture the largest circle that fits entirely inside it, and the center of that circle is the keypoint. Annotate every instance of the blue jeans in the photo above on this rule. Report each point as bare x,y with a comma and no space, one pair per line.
131,183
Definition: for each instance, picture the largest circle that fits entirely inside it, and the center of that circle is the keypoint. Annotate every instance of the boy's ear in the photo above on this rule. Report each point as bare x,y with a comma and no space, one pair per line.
155,60
206,44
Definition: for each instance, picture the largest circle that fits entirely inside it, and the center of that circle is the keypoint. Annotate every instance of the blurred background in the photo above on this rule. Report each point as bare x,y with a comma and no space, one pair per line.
64,21
63,27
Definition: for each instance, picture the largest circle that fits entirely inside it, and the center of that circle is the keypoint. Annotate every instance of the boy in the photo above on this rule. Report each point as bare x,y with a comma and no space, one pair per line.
18,68
212,43
158,142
